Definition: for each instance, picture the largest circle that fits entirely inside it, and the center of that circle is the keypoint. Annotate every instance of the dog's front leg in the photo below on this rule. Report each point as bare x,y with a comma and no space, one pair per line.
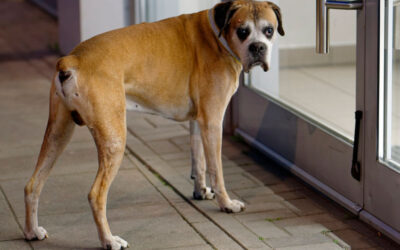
201,191
211,132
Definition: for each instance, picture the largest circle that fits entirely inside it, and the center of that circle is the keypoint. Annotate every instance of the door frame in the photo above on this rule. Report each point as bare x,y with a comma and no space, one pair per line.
375,170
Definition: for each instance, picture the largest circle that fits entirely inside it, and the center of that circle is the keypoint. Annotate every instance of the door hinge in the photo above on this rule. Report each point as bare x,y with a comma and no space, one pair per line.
356,165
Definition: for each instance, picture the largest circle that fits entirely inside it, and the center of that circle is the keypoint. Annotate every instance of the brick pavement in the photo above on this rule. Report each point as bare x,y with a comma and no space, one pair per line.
150,202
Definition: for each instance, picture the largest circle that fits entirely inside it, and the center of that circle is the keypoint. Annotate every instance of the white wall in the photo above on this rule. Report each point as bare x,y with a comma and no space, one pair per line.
80,20
299,18
194,6
99,16
161,9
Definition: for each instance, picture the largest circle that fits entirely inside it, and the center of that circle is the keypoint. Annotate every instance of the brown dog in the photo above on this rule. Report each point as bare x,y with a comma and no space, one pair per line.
183,68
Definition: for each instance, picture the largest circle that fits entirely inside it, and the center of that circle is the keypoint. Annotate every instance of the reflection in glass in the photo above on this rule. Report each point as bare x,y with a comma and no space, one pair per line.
321,88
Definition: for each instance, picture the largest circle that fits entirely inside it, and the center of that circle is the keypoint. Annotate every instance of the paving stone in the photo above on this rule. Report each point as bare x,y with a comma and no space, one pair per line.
163,147
228,163
137,123
263,199
242,160
265,177
181,140
14,244
271,216
190,213
240,232
292,195
159,233
159,121
303,207
9,229
215,236
144,227
360,227
262,207
185,147
198,247
75,159
163,133
325,246
186,162
354,239
239,181
249,193
134,145
313,224
185,171
338,240
306,229
306,220
228,170
287,186
68,193
176,156
303,240
265,229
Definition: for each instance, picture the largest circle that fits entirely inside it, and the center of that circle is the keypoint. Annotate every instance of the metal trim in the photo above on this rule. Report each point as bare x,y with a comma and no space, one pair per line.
344,6
379,225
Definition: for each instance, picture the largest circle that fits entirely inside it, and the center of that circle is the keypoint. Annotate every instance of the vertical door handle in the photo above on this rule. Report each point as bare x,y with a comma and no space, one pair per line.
356,166
323,7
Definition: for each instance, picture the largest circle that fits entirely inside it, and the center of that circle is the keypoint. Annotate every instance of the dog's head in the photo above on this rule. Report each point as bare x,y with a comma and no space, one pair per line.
250,28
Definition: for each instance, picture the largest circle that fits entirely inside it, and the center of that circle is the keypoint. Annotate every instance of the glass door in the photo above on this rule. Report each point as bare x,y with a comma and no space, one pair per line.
302,112
382,157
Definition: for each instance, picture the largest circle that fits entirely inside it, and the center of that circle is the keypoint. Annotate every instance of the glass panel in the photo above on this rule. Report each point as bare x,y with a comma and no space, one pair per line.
390,87
319,88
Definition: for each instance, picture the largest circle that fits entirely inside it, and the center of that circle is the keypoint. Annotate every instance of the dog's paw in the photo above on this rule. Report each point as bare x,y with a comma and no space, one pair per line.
204,194
38,233
115,243
233,206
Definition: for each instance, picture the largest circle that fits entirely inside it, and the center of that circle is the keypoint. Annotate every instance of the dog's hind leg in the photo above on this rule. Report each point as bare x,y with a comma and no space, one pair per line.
201,191
108,128
59,130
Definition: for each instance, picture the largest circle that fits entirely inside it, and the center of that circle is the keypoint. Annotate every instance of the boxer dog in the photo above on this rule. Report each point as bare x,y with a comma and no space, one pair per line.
183,68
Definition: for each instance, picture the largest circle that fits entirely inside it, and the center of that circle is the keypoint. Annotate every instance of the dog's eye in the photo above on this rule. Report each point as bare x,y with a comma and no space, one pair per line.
269,32
243,33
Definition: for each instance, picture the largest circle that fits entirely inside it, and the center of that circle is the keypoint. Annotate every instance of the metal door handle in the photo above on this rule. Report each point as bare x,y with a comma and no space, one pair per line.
323,7
356,166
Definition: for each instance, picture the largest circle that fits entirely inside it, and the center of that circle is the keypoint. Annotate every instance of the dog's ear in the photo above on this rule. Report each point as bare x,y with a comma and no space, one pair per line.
223,14
278,14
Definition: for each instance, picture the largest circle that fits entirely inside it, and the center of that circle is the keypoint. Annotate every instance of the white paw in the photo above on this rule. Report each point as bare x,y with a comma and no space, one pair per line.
115,243
204,194
38,233
209,194
233,206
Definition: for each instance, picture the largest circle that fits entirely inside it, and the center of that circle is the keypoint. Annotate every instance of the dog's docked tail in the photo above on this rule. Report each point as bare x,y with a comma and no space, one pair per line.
67,87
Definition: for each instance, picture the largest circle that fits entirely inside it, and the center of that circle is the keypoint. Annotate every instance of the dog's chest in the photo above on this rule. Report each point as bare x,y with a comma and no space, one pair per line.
177,113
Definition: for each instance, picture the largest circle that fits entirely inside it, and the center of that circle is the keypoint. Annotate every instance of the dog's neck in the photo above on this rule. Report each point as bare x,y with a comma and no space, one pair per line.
221,38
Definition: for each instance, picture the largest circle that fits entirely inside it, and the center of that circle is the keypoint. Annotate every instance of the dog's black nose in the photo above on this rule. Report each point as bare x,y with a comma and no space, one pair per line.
257,49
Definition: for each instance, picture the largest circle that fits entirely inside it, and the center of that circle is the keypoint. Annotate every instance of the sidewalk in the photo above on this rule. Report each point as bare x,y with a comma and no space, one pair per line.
150,203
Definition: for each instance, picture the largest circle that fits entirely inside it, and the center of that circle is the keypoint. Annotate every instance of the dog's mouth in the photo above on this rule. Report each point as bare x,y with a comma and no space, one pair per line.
253,64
